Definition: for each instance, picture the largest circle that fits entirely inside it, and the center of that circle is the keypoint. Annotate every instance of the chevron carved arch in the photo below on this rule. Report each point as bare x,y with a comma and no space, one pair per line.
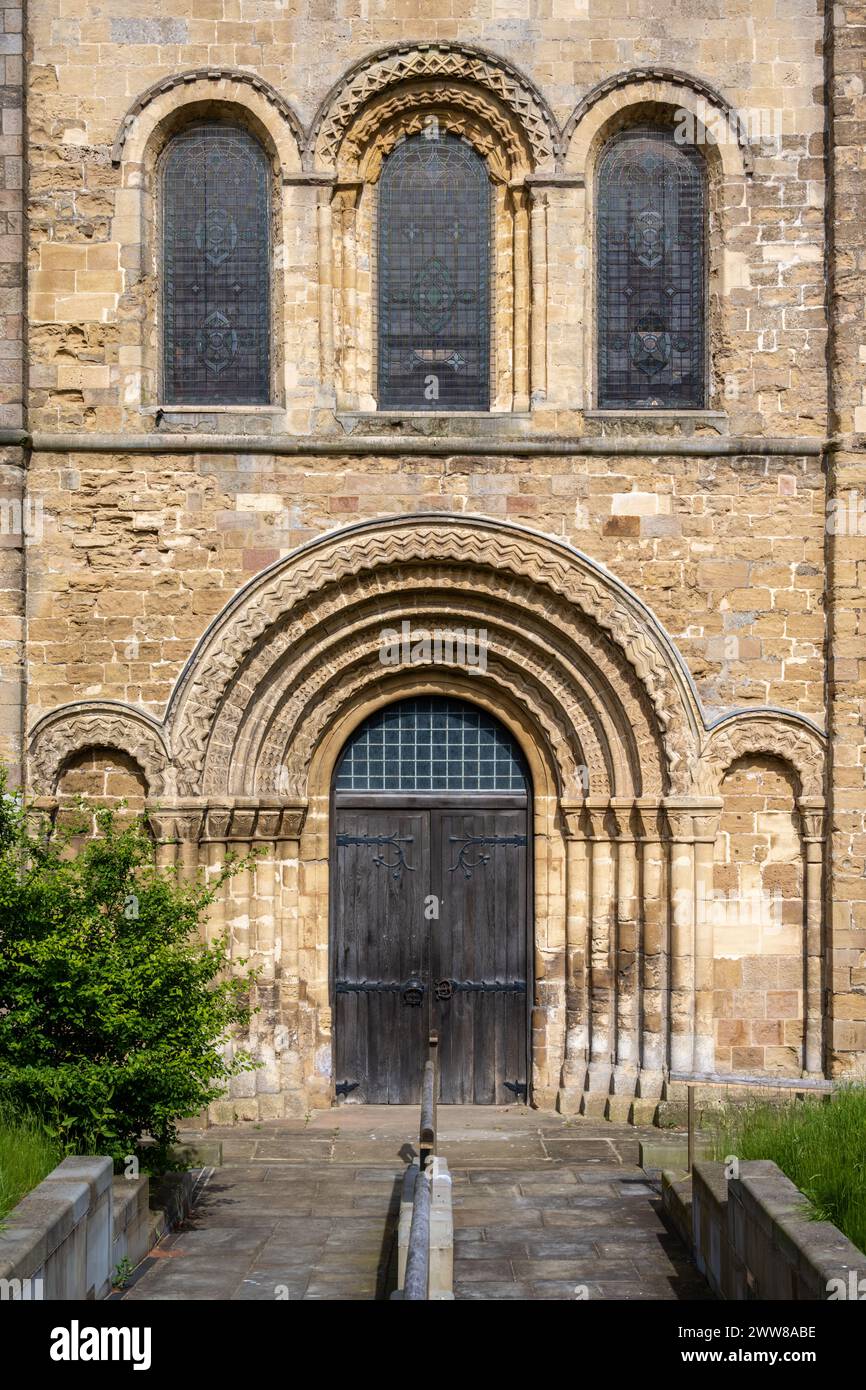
317,590
777,735
442,62
74,728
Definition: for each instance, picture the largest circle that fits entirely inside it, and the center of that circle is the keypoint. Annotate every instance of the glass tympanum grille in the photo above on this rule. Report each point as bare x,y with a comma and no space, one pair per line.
651,297
431,745
434,276
215,269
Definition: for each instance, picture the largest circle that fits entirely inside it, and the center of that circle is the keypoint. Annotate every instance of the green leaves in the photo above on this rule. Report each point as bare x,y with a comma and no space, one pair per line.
113,1012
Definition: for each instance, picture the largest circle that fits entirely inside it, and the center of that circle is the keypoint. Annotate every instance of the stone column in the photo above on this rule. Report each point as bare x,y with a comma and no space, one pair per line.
812,819
325,236
655,954
267,1020
347,356
538,316
706,824
682,957
286,947
165,834
576,954
240,890
265,878
519,201
601,1021
627,956
215,859
189,826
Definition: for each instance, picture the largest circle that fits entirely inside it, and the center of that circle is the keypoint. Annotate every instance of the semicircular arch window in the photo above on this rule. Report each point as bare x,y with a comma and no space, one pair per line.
651,293
215,268
433,298
432,744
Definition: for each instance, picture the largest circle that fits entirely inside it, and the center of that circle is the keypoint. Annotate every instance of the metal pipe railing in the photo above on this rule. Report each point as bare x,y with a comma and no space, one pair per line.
416,1282
429,1095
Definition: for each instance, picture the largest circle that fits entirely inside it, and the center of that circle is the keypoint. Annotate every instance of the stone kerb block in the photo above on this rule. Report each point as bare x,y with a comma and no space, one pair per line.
776,1251
710,1225
60,1233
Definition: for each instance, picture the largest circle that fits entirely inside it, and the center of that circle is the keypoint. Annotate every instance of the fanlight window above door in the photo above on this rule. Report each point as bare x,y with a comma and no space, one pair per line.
431,745
215,268
651,295
434,276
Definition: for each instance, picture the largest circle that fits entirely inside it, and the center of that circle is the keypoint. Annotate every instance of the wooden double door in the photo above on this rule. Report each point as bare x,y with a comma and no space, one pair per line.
429,932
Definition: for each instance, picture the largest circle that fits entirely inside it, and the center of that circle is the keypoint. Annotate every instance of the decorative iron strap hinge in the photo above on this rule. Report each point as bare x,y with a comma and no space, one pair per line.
446,988
395,841
467,842
412,991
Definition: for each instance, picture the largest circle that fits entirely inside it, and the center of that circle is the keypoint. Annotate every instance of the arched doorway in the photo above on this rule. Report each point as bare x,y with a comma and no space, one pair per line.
430,905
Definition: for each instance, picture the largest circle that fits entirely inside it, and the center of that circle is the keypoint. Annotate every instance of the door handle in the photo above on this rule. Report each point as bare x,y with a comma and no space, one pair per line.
444,989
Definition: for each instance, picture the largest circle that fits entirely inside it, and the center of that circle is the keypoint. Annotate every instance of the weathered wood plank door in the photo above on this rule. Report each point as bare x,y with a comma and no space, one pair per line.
430,892
380,952
479,955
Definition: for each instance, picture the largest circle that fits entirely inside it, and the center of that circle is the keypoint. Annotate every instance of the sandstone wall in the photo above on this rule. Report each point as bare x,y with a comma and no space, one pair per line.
725,542
17,525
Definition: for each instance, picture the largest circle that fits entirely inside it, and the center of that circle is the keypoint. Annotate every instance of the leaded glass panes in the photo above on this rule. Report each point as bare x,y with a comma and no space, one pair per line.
431,745
651,290
215,268
434,276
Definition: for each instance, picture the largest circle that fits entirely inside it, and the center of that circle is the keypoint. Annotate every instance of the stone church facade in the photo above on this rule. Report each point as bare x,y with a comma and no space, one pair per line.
214,507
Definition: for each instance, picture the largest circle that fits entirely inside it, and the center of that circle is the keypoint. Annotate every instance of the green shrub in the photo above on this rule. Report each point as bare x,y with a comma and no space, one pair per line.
113,1012
820,1147
27,1155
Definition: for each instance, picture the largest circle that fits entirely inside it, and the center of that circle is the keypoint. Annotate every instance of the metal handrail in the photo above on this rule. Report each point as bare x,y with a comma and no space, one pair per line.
429,1096
417,1277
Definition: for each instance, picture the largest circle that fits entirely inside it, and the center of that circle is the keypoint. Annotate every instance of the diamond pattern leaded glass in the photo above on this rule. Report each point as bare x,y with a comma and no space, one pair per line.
431,745
215,269
434,276
651,295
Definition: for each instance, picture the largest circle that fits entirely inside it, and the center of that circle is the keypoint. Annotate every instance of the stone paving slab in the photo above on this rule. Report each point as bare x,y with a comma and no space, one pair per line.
545,1207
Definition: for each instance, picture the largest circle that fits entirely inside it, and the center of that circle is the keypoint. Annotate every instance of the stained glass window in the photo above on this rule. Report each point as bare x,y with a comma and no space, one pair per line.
215,268
650,265
431,744
434,276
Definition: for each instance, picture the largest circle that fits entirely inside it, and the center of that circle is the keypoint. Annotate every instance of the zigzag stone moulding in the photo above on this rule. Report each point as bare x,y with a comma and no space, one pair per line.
599,706
563,573
774,736
659,74
302,739
65,732
410,62
210,74
459,110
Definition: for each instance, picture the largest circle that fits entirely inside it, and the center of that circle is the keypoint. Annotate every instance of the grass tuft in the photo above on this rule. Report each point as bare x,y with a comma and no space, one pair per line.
27,1155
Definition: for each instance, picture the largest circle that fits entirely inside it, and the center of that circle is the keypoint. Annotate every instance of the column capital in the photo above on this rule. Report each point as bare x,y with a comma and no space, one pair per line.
694,819
649,812
572,815
813,818
234,818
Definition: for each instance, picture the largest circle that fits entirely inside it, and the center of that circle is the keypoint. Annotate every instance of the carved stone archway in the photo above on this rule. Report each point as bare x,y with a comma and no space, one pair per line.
483,99
463,63
625,776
